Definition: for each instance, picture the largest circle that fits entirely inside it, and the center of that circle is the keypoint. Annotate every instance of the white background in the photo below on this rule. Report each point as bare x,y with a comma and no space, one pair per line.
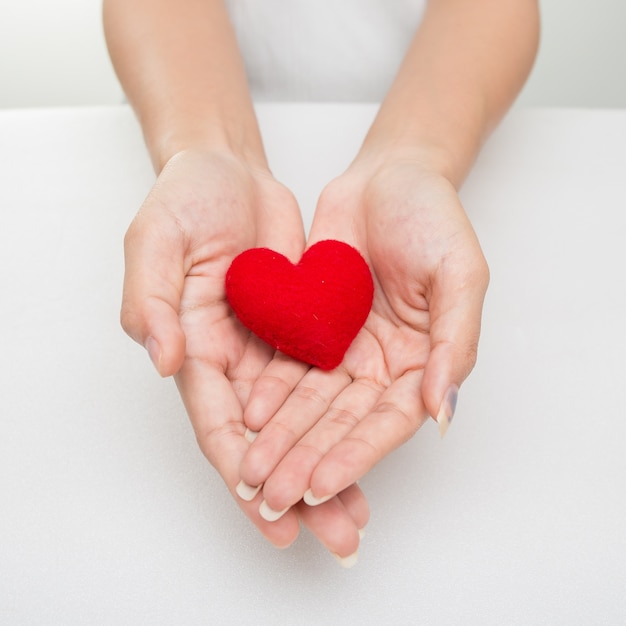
53,53
109,514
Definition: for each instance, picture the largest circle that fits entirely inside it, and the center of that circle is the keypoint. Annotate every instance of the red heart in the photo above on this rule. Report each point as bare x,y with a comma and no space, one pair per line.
311,311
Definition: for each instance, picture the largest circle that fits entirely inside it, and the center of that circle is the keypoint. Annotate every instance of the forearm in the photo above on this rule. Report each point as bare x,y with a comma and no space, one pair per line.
464,68
179,64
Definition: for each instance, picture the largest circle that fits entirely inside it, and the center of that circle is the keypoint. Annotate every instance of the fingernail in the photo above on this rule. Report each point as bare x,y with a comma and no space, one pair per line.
268,514
246,492
446,411
250,435
154,351
361,533
347,561
311,500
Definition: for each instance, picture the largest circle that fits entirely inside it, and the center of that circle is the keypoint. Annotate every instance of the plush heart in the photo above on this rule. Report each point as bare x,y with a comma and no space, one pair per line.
312,310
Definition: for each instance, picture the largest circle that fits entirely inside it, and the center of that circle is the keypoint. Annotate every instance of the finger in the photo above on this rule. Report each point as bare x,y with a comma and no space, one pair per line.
290,480
271,389
245,373
334,527
153,283
307,403
396,417
280,226
456,309
355,502
216,417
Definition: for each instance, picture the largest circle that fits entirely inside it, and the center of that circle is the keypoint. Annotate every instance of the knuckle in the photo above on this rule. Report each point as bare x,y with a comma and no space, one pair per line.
215,438
309,394
311,450
409,422
289,430
272,384
342,417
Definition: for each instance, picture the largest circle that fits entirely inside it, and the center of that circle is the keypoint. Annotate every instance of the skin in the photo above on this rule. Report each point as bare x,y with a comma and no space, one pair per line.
397,203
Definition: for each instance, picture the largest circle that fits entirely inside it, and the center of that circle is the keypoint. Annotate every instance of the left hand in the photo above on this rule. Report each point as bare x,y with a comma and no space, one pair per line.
417,346
206,207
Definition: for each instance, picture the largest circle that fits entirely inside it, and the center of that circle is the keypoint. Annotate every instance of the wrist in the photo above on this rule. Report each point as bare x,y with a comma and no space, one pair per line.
383,149
241,142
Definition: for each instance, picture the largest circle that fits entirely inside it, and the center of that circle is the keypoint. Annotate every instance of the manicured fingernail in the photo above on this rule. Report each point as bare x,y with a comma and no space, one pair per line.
154,351
446,411
361,533
250,435
347,561
246,492
311,500
268,514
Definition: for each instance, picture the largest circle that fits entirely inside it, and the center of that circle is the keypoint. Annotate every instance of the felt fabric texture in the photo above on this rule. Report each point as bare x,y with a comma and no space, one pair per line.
311,311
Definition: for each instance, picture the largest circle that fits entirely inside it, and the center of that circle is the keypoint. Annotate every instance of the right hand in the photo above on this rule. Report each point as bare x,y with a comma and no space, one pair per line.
205,208
326,430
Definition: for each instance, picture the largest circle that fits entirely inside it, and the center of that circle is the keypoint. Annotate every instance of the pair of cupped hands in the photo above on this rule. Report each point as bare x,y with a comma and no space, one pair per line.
289,440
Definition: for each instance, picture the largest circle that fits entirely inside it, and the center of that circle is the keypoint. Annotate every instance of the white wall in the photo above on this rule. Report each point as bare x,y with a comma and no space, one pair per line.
52,52
582,58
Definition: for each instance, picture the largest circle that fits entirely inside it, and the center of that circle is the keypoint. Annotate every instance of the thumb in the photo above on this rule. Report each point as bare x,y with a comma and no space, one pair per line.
456,310
153,282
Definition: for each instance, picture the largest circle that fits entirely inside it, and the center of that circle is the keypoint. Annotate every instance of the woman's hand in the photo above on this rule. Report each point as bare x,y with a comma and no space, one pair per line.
205,208
417,346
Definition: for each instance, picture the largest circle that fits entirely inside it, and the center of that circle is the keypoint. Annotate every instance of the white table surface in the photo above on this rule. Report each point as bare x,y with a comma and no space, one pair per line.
110,515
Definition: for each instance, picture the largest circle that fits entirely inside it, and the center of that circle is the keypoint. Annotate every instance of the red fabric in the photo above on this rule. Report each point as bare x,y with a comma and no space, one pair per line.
311,311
